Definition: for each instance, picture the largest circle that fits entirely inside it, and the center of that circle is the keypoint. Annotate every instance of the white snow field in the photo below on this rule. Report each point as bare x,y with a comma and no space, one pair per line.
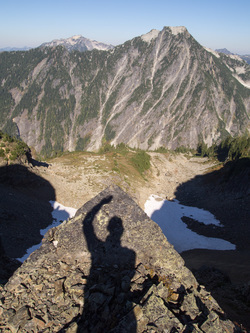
168,214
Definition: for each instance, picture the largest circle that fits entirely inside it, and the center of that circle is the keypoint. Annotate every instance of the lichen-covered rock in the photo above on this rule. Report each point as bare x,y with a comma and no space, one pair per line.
109,269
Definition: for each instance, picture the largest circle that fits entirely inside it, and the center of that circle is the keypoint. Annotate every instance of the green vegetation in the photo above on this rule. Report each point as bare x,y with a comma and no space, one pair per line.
29,100
121,148
12,148
109,132
2,152
82,143
162,150
141,161
235,148
183,150
138,159
6,102
15,67
230,148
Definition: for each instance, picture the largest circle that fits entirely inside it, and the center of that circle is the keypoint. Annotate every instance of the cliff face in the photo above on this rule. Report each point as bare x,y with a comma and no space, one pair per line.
159,89
109,269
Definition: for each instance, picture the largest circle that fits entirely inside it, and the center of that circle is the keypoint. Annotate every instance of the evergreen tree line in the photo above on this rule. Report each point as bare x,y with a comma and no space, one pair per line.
229,149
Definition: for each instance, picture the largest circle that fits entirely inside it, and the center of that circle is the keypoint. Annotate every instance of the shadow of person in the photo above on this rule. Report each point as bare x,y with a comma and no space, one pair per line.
107,297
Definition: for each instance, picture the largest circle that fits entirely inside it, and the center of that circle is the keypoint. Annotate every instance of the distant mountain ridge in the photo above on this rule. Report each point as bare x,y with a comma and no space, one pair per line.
82,44
74,43
11,49
78,43
225,51
245,57
159,89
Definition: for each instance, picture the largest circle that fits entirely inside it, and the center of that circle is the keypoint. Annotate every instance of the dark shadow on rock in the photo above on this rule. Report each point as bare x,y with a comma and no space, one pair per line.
107,293
7,265
226,194
233,298
39,163
24,208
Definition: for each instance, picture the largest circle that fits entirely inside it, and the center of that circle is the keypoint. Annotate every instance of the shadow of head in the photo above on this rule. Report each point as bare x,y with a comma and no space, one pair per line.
115,228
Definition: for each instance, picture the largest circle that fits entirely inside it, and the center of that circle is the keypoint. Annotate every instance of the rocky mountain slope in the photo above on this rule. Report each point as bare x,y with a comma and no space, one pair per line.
109,269
159,89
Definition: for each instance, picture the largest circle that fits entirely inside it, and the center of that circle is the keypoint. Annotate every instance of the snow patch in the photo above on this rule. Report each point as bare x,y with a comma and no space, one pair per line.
177,30
60,213
150,35
76,37
168,214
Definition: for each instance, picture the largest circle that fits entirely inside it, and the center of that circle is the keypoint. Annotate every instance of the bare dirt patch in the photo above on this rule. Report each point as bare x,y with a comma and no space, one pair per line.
78,177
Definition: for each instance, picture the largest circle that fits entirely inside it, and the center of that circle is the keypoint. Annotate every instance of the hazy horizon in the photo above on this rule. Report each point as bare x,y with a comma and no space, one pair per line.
214,24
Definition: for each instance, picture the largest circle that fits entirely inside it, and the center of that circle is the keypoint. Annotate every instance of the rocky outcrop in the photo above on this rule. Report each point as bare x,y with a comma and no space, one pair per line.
108,269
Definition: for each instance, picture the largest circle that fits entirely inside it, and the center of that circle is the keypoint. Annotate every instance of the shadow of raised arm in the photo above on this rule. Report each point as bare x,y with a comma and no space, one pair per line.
88,228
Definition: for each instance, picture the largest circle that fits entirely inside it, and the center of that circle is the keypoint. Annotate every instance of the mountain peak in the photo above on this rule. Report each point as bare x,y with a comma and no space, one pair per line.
79,43
178,30
77,36
225,51
152,34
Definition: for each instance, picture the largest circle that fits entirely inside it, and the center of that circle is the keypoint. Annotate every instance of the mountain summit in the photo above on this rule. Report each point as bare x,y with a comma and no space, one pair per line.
159,89
78,43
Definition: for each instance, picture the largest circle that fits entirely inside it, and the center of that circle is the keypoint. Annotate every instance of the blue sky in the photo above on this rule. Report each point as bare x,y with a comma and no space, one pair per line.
213,23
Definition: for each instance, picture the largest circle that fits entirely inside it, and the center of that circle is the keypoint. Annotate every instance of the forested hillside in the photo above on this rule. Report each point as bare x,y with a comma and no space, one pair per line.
162,89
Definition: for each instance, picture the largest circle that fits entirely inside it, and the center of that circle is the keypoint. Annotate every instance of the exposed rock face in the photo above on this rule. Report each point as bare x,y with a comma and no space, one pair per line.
109,269
159,89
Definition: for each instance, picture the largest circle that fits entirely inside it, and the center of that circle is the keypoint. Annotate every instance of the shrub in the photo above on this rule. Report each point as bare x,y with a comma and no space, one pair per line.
161,150
106,148
141,161
2,153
